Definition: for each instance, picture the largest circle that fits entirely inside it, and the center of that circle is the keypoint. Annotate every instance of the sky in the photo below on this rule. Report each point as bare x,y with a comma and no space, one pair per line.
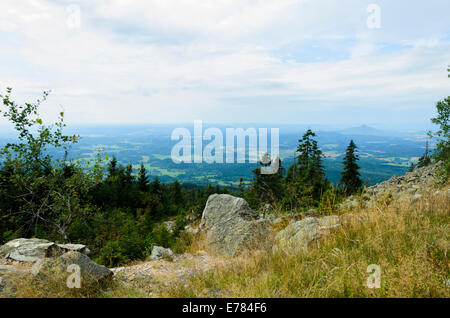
346,62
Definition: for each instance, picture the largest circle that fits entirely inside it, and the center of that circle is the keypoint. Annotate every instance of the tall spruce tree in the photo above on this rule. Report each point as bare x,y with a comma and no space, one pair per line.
350,177
142,179
112,167
306,180
128,177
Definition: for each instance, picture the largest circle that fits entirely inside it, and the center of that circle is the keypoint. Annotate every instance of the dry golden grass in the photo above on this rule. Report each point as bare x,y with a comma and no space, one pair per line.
198,243
409,241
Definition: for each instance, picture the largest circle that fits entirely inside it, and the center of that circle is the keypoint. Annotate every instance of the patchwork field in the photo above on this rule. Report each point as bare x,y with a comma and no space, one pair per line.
381,156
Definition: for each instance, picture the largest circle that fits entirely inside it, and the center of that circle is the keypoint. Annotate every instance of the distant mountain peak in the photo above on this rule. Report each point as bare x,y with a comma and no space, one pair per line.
362,130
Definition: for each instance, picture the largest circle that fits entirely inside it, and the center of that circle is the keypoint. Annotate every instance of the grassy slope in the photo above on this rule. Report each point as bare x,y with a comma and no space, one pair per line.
409,242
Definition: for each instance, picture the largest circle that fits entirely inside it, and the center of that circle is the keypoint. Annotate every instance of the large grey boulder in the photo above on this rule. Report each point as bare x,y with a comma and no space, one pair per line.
231,226
32,250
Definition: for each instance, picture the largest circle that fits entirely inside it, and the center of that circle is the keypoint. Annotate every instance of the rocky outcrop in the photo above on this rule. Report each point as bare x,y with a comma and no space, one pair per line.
297,235
231,226
416,181
28,258
409,186
31,250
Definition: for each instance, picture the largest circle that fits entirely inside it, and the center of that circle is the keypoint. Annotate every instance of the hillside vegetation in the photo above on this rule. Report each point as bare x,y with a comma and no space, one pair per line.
409,241
407,237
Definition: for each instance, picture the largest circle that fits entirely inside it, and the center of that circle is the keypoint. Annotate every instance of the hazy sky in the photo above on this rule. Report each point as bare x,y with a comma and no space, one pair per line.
284,61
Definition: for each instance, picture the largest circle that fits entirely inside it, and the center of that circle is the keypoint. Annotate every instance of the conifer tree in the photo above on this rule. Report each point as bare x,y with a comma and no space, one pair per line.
142,179
155,187
306,180
176,193
112,167
128,177
309,162
350,177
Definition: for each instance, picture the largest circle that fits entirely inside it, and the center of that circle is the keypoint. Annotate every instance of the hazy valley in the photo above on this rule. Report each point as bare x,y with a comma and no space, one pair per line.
383,153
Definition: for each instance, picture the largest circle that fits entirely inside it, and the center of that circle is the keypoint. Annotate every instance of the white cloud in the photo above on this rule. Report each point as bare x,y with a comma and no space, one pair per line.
166,61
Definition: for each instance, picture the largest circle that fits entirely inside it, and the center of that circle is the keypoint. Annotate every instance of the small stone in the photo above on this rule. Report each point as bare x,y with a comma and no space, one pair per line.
159,252
191,230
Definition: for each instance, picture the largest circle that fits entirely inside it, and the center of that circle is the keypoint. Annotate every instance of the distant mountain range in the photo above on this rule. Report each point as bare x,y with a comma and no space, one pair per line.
383,153
365,130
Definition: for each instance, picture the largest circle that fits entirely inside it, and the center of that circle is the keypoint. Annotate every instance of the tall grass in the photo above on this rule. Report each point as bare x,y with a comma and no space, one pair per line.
409,241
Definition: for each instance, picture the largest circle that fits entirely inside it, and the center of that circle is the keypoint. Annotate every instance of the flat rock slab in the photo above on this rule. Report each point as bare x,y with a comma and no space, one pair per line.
32,250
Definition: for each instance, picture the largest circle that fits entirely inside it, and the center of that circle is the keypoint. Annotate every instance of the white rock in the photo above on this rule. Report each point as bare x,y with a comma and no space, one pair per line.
191,230
159,252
